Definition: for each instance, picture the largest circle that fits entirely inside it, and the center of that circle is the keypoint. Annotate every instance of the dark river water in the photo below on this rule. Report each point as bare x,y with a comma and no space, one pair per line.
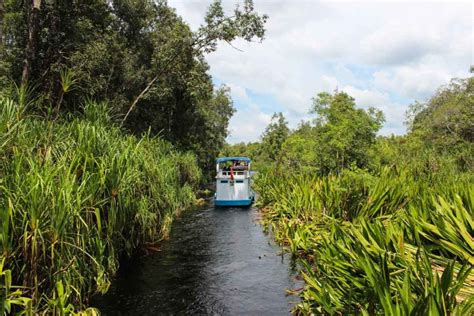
217,261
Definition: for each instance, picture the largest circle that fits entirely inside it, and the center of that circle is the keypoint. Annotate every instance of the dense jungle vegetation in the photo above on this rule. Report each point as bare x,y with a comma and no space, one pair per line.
378,225
109,121
108,114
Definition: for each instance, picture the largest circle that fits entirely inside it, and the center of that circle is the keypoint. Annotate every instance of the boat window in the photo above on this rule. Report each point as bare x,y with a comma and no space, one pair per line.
224,181
239,181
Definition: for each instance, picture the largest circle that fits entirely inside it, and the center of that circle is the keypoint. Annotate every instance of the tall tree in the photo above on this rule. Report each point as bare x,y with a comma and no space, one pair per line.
274,136
139,55
344,133
33,29
445,121
299,152
2,13
244,23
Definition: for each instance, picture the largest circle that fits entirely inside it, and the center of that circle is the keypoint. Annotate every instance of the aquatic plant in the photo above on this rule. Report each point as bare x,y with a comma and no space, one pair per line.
390,243
75,196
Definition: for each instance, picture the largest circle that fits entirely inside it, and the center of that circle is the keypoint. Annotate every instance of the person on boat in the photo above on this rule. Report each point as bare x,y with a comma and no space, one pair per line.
240,165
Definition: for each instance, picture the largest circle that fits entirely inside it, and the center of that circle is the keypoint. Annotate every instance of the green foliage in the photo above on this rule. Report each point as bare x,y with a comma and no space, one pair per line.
267,153
68,79
245,23
440,139
444,122
299,151
208,137
341,136
395,238
390,244
344,133
122,51
252,150
273,137
11,296
76,195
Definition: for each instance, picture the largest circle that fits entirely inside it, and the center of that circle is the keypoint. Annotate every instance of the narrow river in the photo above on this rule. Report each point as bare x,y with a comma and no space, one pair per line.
216,261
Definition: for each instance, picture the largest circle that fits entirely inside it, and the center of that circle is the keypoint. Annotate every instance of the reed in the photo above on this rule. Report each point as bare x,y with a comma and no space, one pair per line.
75,196
390,243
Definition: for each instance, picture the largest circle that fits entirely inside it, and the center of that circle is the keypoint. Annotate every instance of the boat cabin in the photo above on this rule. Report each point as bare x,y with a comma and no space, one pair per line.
233,182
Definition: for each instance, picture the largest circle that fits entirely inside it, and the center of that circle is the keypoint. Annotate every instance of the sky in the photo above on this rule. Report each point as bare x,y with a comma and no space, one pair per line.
384,54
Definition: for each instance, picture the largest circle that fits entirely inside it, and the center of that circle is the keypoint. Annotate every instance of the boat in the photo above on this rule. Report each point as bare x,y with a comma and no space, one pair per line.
233,182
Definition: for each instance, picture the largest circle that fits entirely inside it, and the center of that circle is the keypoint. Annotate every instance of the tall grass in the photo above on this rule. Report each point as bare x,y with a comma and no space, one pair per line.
391,244
74,197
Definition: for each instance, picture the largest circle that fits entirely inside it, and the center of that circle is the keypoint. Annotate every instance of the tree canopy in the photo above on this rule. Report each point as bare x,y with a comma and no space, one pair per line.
139,56
340,136
344,133
440,136
274,136
444,123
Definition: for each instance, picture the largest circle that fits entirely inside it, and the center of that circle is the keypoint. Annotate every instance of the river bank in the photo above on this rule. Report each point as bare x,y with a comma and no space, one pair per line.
390,243
76,195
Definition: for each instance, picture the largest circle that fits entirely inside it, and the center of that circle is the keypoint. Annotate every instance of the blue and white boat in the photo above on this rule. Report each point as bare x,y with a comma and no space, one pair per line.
233,182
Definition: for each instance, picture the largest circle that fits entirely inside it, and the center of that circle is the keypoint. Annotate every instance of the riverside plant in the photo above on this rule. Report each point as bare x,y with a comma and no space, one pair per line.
75,195
388,244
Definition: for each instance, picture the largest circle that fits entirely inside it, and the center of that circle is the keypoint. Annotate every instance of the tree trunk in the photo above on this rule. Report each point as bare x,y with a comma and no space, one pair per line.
2,13
33,25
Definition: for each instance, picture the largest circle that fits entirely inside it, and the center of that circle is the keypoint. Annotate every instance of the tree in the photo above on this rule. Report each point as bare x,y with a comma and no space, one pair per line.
139,56
33,29
343,133
206,136
274,136
299,150
445,122
251,150
244,23
2,13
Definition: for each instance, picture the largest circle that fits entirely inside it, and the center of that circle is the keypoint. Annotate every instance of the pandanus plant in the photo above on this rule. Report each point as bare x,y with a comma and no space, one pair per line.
389,244
69,80
74,196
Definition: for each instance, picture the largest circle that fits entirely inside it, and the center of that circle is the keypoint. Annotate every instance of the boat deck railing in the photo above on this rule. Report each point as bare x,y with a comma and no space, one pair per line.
236,173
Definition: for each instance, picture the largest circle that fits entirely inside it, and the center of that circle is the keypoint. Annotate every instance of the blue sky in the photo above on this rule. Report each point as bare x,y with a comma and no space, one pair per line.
385,54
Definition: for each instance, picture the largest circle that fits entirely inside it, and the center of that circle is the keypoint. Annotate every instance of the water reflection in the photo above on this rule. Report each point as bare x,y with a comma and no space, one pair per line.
217,261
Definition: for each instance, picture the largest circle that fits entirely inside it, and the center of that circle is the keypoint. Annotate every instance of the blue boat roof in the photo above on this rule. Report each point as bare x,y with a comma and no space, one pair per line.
222,159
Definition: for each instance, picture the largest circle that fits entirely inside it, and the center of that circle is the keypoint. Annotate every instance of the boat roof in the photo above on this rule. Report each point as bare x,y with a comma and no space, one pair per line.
222,159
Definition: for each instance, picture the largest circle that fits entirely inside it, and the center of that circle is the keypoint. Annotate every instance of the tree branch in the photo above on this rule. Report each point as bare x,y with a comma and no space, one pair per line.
138,98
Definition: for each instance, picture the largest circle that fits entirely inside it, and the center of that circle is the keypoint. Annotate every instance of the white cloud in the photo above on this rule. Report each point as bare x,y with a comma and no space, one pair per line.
413,82
238,93
394,45
366,98
384,54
